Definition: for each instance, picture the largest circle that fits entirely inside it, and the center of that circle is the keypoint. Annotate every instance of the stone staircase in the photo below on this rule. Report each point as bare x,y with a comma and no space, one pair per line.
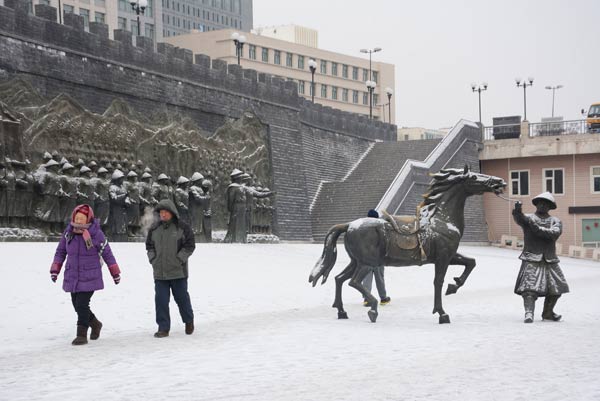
344,201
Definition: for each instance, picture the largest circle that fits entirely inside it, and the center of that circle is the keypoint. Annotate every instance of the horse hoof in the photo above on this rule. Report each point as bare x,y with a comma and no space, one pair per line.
444,319
342,315
452,288
373,315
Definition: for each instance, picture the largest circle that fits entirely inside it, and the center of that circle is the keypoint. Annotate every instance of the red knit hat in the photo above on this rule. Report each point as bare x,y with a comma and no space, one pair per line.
83,209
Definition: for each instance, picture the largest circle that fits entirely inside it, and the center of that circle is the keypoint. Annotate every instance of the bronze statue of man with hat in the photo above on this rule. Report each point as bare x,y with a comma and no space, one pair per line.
540,274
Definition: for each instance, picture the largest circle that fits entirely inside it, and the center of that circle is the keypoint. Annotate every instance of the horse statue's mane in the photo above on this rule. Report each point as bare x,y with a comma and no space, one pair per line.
441,182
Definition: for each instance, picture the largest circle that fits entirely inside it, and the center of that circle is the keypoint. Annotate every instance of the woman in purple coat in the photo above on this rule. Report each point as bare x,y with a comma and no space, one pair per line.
83,244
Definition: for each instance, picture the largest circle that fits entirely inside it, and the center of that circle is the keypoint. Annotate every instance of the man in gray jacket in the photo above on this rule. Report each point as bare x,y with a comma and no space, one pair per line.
169,244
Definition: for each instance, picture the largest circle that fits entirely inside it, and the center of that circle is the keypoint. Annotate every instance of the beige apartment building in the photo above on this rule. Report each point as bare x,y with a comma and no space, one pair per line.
291,33
568,166
416,133
339,78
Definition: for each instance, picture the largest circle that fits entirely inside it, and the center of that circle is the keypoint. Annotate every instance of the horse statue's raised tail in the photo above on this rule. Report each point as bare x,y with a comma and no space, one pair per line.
432,236
327,260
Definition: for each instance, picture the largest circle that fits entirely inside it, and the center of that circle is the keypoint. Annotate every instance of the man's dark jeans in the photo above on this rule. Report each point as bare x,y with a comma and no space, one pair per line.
162,295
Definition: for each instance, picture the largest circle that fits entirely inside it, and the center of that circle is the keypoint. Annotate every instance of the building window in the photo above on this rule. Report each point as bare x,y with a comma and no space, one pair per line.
99,17
354,96
344,71
355,73
68,9
149,12
122,23
324,91
334,90
86,16
375,76
289,60
265,55
311,87
519,183
595,174
345,95
365,75
277,57
252,52
301,87
375,99
301,62
100,3
124,5
334,69
554,180
323,67
365,97
149,28
134,27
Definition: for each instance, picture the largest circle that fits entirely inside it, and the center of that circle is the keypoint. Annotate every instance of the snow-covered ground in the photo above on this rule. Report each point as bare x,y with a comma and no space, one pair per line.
263,333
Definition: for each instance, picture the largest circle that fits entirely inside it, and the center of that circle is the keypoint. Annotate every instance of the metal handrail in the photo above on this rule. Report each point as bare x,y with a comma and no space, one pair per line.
554,128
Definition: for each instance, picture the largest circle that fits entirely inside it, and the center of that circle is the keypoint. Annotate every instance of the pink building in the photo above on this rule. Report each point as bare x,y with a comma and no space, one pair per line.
568,166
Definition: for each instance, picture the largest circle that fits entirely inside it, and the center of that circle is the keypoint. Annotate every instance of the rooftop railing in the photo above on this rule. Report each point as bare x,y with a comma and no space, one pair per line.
550,128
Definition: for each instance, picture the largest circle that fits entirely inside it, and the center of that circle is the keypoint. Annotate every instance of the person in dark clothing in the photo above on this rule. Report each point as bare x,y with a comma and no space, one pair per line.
540,275
169,244
377,272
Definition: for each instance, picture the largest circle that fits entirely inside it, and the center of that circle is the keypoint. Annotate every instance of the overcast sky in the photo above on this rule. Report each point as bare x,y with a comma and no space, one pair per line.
440,46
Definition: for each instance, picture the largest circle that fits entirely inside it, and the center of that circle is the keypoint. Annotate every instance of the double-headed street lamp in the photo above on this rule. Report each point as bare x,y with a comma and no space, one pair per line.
139,6
371,87
479,88
389,93
524,84
312,66
553,88
239,41
370,51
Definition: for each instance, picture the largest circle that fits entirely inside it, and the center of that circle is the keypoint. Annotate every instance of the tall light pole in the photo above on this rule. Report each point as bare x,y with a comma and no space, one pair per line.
553,88
479,88
389,93
524,84
60,11
139,6
370,51
370,87
239,41
312,66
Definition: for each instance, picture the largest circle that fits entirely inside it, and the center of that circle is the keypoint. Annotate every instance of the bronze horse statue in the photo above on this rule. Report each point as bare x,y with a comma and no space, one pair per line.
432,236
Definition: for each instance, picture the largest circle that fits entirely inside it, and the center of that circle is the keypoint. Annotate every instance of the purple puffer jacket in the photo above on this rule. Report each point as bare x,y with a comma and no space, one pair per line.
83,271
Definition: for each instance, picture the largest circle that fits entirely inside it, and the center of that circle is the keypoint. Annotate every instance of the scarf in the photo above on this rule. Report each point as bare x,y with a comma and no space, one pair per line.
83,230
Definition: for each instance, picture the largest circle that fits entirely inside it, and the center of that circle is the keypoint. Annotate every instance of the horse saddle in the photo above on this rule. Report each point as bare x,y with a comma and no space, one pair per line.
402,235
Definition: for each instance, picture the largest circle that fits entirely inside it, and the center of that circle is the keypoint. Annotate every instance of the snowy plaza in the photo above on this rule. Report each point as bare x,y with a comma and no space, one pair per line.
263,333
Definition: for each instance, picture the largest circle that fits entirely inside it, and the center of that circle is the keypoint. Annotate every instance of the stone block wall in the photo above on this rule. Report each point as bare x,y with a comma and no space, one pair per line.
95,70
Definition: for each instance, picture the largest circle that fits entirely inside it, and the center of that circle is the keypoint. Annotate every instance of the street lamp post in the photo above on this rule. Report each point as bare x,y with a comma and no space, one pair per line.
139,6
239,41
370,51
479,88
553,88
524,84
389,93
312,66
371,87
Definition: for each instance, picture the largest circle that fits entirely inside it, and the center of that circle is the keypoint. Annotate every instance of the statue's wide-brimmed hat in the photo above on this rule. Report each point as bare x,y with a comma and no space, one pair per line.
132,174
67,166
547,196
182,180
117,174
47,156
85,169
146,175
147,170
196,177
102,170
236,173
207,183
92,163
246,176
162,176
51,163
